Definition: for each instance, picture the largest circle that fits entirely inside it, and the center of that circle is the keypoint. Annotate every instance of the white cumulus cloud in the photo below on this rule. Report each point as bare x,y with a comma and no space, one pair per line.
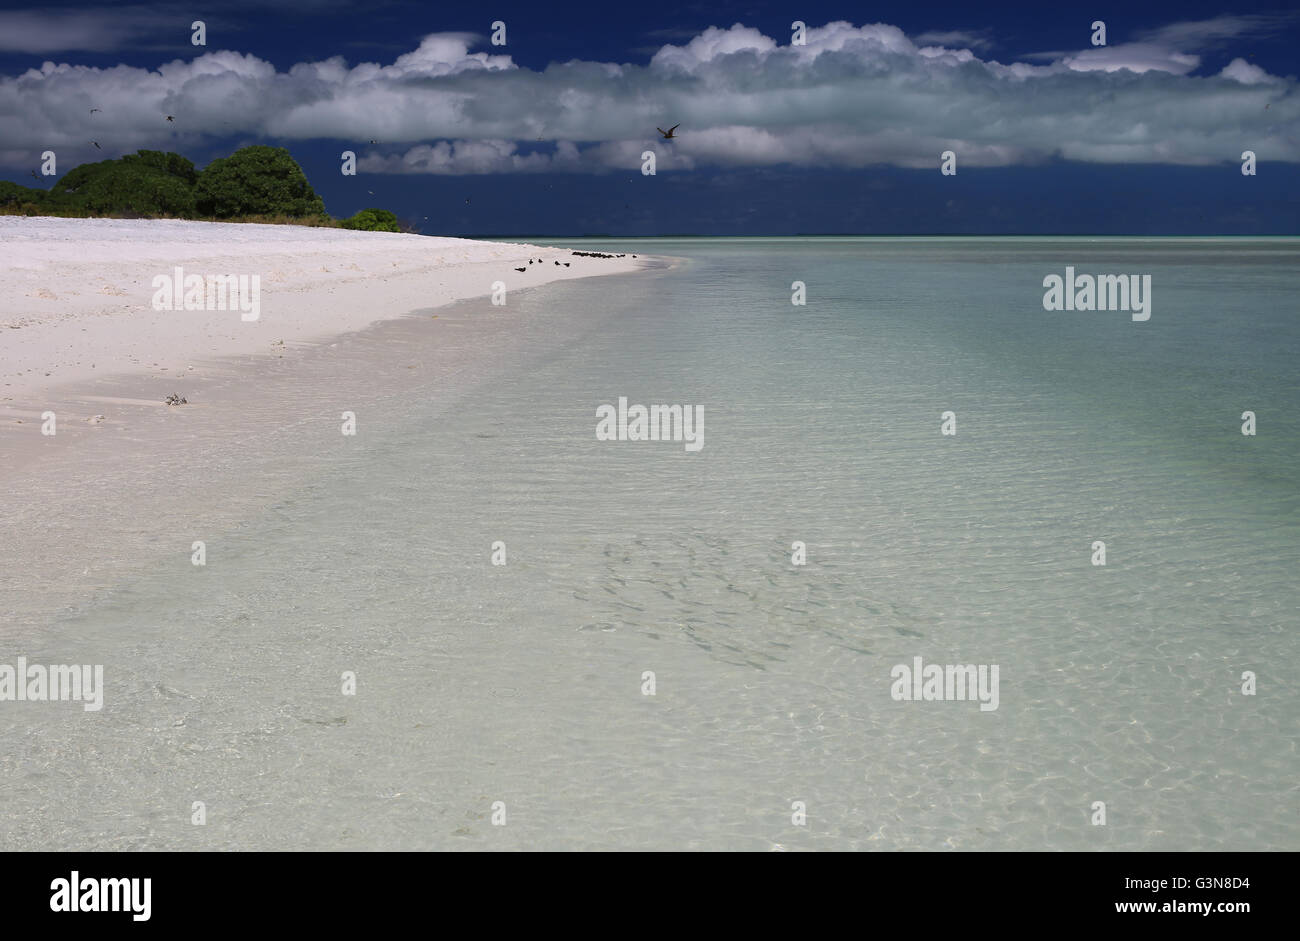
852,96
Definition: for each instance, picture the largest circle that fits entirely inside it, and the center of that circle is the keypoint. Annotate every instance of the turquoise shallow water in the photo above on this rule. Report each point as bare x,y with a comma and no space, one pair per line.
522,683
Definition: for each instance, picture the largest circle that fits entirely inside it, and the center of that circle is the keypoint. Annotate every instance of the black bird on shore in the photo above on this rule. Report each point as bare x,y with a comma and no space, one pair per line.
668,134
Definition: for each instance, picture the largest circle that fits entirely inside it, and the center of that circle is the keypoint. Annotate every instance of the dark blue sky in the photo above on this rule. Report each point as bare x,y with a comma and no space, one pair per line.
1070,150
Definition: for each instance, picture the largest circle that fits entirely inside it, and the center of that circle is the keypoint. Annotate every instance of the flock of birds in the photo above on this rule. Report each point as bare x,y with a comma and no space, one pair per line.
171,119
539,261
582,254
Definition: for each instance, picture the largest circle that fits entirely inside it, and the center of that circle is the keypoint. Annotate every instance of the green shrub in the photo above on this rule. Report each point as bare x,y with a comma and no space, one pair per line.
149,183
373,220
169,163
13,195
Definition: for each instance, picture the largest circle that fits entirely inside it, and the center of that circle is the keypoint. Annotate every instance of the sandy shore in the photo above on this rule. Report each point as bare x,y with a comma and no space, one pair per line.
78,294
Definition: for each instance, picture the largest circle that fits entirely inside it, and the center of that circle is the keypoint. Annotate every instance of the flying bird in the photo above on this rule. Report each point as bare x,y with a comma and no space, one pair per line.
521,269
668,134
170,118
96,143
35,177
93,110
374,142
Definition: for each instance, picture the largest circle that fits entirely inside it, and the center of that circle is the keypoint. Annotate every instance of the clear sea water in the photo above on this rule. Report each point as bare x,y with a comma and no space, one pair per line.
523,683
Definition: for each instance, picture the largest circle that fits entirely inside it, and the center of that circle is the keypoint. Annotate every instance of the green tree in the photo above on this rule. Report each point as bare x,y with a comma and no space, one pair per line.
256,180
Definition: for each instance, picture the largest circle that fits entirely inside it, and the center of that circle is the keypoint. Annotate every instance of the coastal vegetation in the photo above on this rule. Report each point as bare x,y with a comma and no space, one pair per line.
254,184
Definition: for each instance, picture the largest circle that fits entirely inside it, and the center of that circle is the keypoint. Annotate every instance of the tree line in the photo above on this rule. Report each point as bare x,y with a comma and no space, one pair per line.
254,184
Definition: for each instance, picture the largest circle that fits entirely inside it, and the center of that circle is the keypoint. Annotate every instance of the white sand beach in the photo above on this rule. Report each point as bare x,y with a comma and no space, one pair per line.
76,294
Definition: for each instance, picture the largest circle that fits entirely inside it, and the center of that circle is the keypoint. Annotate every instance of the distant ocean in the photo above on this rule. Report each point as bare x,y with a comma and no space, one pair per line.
650,668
